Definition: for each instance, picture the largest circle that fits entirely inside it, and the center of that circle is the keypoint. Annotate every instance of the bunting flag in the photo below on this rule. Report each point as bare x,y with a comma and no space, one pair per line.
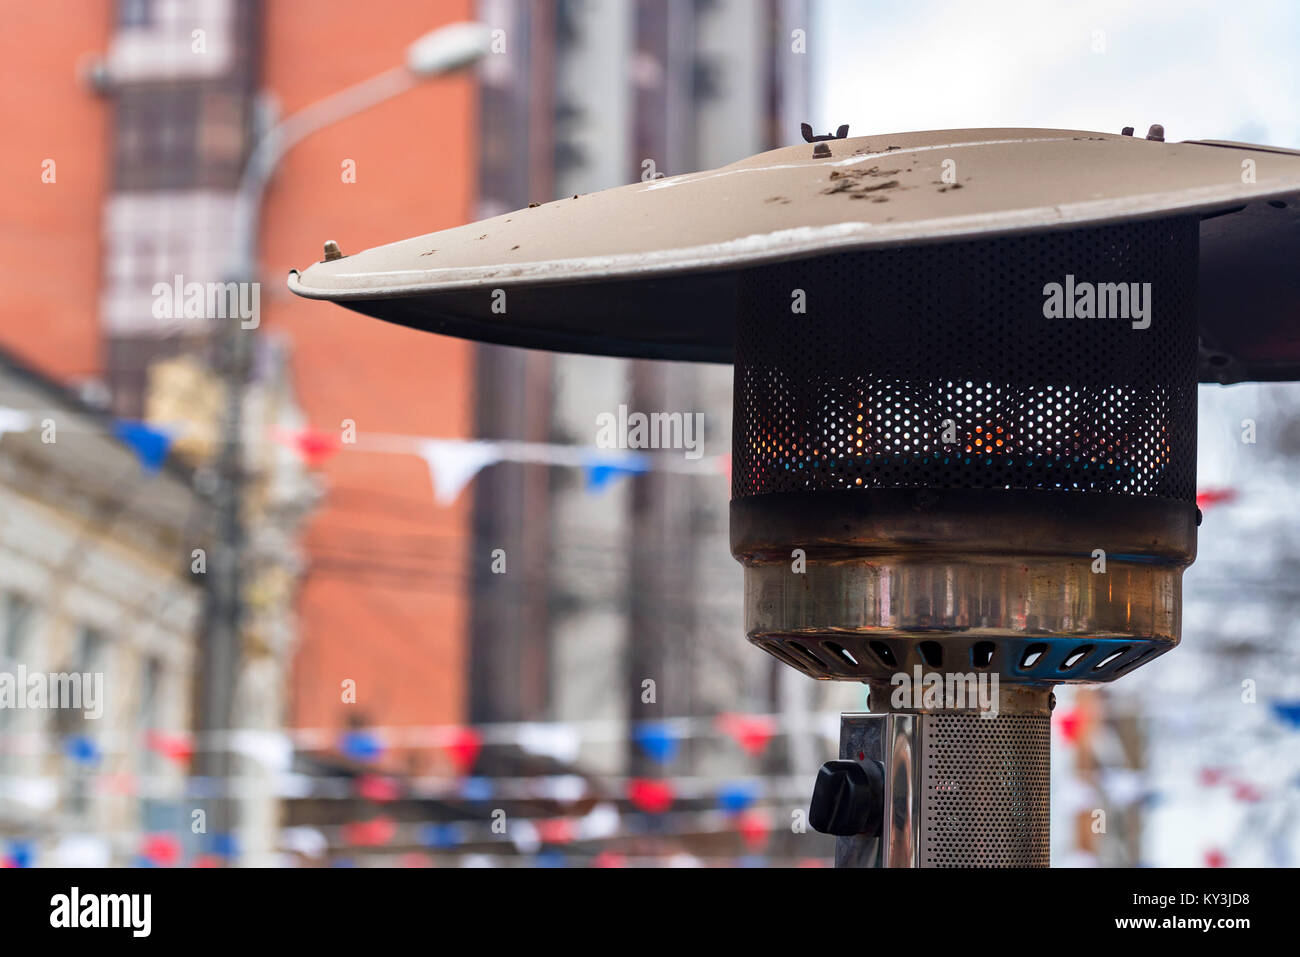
161,850
651,795
81,749
601,469
376,787
454,463
464,747
556,830
1070,723
361,746
21,854
307,841
737,796
523,834
174,747
755,829
372,833
441,835
314,446
272,751
477,789
1246,792
600,822
657,740
751,732
1288,711
83,850
1205,498
149,443
14,420
556,741
1211,776
224,846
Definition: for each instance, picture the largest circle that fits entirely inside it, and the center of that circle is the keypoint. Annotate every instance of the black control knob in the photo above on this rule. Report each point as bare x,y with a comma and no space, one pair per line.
848,799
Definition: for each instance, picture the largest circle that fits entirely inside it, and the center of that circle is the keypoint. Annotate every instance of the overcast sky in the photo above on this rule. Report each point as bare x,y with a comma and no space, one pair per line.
1206,69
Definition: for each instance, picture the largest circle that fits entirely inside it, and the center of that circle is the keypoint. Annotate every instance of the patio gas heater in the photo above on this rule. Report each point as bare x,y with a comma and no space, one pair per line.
966,366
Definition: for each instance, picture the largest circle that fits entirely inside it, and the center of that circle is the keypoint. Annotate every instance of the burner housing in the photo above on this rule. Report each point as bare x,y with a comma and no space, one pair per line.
975,456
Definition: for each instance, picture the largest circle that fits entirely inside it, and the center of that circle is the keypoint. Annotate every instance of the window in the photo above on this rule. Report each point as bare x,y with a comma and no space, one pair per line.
17,625
151,673
134,13
16,618
90,657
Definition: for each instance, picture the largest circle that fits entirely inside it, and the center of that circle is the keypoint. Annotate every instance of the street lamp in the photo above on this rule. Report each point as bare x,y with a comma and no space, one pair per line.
448,48
437,53
442,51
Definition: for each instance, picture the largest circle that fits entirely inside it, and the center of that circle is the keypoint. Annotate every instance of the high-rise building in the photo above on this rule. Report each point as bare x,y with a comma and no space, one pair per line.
632,582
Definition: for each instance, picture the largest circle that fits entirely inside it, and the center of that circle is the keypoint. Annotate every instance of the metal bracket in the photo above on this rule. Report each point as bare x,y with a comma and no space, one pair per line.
892,740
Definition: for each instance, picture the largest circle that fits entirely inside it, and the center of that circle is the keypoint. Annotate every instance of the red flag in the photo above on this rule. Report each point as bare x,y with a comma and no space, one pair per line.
1070,723
464,748
176,747
1214,496
1211,776
161,849
311,444
372,833
751,732
754,828
651,796
1245,791
556,830
375,787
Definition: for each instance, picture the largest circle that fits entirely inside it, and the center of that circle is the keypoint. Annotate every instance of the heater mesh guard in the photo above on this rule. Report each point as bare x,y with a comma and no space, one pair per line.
935,366
985,791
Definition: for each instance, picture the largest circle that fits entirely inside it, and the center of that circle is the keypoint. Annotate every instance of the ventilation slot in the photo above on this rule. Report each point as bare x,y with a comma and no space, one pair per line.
1111,658
809,658
932,652
882,652
841,653
1076,657
1033,655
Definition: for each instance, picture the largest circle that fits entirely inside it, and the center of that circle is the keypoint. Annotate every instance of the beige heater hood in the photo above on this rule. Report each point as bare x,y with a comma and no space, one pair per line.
650,269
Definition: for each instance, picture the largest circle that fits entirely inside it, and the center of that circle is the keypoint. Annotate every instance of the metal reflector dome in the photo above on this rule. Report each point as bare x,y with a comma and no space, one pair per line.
653,269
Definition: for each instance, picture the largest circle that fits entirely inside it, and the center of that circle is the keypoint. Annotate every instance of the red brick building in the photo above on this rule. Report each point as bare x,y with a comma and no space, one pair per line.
49,214
143,177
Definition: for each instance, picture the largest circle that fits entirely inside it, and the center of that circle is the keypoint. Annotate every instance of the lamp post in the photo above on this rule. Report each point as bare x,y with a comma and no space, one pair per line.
440,52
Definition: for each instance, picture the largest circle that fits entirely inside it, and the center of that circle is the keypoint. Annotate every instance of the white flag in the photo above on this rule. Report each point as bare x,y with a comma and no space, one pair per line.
453,463
14,420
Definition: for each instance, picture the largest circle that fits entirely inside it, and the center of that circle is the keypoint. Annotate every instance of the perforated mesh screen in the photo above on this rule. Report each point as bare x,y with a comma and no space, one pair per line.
985,791
935,366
